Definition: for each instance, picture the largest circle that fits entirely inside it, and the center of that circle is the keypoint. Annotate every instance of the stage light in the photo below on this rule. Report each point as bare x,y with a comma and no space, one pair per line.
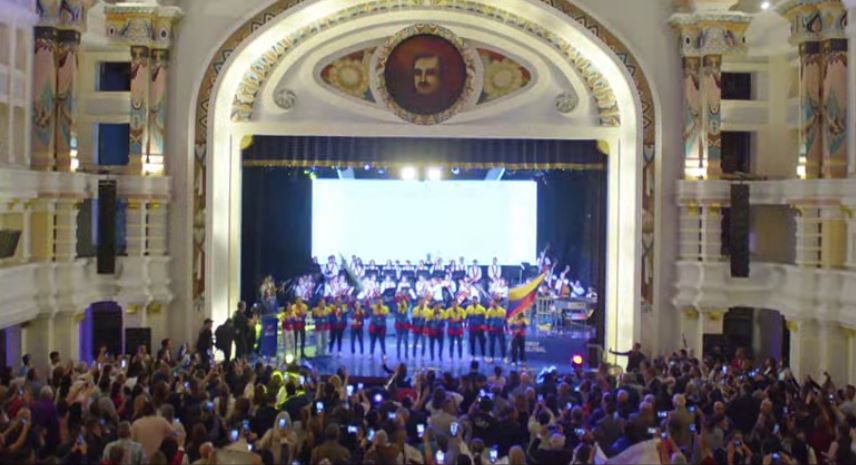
381,171
367,167
456,171
289,359
435,174
765,5
408,173
577,359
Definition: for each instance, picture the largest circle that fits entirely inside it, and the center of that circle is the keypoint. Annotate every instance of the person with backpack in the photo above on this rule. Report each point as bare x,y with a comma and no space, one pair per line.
224,335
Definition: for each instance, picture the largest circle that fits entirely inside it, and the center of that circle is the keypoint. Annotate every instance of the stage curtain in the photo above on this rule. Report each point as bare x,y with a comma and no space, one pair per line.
519,154
276,227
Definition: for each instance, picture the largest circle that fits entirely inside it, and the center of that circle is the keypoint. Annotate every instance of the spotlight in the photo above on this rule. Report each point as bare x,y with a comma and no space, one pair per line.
367,167
408,173
434,174
381,171
456,171
765,5
289,359
577,359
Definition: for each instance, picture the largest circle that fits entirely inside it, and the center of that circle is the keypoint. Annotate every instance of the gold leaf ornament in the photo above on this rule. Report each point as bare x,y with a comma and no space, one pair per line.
350,76
502,77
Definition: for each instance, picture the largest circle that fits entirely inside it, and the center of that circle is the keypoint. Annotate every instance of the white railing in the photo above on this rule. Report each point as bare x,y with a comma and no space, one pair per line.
40,289
779,192
799,293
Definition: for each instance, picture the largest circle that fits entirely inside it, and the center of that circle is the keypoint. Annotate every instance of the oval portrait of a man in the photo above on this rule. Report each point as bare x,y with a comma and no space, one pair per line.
425,74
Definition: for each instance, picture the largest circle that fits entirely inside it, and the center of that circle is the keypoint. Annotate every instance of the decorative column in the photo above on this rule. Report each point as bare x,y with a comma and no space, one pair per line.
65,230
708,32
41,230
850,239
57,39
148,31
690,233
808,236
833,236
817,29
850,32
156,228
135,229
695,323
804,358
833,350
44,99
139,108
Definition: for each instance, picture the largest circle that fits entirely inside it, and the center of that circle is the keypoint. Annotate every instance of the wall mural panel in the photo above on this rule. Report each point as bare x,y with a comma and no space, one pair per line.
607,110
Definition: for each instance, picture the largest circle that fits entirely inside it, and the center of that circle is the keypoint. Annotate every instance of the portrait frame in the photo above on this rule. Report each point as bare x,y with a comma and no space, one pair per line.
406,110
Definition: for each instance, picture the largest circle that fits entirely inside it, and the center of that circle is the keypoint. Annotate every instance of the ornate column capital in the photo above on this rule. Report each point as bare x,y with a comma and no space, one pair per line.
814,20
711,32
144,25
64,14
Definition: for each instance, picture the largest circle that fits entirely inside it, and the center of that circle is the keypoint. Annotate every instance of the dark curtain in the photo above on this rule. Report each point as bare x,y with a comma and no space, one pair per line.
276,227
305,151
572,219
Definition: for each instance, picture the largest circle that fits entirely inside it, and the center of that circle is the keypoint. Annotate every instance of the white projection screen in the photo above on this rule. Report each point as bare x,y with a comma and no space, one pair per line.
401,220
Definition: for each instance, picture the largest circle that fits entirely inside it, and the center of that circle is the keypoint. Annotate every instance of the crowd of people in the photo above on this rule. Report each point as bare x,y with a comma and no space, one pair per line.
181,407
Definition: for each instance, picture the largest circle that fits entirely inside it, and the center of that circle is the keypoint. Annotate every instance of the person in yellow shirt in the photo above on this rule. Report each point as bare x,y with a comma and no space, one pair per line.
435,321
377,326
418,325
455,316
322,332
297,316
402,323
476,326
496,327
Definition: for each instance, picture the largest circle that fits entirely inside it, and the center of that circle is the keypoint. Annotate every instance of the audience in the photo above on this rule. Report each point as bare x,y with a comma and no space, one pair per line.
180,408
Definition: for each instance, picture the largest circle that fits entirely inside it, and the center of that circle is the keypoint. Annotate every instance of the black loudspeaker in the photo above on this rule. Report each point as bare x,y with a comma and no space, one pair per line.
136,337
106,226
107,329
738,231
8,242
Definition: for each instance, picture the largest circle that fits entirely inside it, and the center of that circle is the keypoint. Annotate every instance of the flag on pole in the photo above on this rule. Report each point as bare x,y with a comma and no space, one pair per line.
352,277
523,296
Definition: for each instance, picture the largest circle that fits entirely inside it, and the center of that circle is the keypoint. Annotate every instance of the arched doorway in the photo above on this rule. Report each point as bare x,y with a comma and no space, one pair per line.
243,75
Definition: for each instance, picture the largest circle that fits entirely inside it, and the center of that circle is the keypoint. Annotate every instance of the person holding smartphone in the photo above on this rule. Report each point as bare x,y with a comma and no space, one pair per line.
331,449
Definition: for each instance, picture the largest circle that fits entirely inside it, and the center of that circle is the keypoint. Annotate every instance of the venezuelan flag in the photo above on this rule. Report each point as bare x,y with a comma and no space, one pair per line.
352,277
523,296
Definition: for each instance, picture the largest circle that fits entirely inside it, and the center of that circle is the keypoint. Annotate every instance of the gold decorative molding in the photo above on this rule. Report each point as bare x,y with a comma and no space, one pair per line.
690,313
793,326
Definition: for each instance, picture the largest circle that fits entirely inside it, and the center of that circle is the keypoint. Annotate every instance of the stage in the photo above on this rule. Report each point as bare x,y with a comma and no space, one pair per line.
543,350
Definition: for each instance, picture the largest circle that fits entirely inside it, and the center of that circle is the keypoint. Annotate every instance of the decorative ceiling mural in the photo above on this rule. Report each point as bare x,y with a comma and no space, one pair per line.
498,75
350,74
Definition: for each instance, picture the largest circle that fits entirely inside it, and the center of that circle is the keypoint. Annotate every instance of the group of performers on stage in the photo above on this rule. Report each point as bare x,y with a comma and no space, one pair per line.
432,303
429,324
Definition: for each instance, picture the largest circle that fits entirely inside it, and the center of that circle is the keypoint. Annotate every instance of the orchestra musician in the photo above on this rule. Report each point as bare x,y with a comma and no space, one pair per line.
331,268
417,325
476,325
358,316
455,316
494,271
496,328
402,323
475,272
377,326
518,338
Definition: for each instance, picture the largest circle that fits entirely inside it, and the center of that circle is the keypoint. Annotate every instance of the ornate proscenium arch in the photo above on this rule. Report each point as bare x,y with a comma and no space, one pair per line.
256,77
263,66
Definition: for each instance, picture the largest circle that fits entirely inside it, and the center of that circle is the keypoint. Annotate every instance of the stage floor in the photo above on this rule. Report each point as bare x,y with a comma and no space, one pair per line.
543,350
